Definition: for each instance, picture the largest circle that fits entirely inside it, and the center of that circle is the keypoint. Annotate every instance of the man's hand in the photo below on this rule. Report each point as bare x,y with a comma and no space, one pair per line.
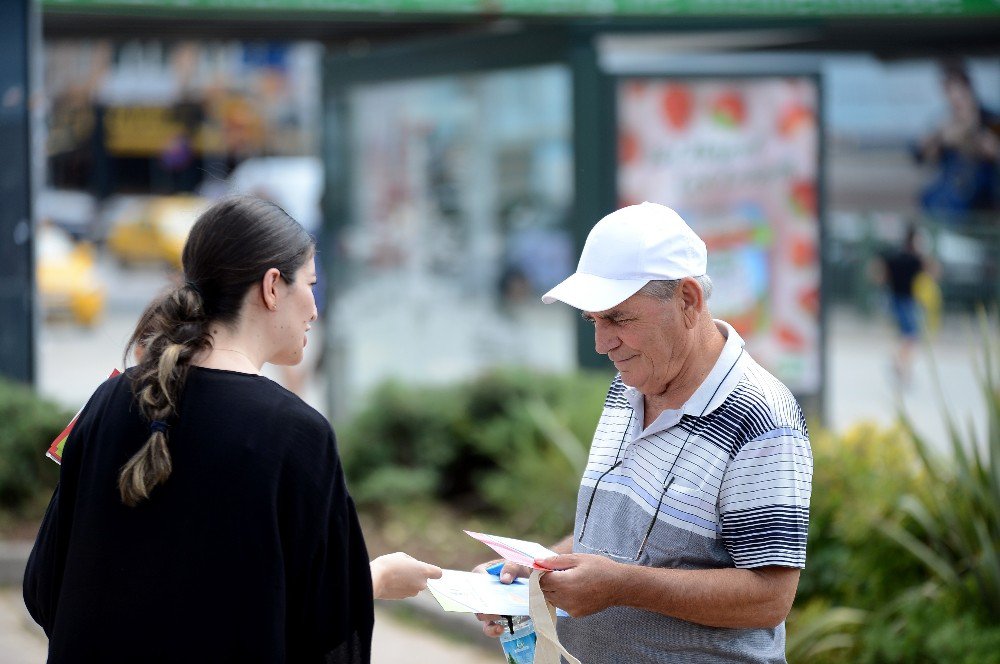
495,625
397,576
581,583
509,572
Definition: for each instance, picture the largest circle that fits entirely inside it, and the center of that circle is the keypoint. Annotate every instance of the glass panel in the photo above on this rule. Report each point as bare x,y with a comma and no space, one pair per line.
461,190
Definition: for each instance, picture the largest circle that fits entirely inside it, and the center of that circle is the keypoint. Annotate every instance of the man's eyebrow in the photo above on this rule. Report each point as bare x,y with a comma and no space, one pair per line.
610,313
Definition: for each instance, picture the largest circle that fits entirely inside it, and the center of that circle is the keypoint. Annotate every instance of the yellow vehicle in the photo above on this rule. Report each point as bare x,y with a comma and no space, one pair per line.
154,230
68,283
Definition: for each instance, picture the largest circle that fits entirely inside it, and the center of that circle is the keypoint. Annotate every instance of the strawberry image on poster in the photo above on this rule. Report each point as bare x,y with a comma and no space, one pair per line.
802,252
789,337
794,118
628,147
803,198
808,299
729,110
676,106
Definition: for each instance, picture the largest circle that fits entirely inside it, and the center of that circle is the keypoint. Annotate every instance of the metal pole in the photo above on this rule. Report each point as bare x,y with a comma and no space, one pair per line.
17,338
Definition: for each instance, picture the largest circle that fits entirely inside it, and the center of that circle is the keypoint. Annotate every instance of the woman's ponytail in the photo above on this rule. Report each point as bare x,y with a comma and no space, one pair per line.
171,331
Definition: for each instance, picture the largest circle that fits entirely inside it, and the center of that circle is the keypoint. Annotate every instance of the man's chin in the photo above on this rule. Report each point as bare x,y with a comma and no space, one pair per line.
626,378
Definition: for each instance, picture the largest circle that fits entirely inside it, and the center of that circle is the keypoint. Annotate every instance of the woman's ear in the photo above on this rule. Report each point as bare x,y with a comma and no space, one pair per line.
269,288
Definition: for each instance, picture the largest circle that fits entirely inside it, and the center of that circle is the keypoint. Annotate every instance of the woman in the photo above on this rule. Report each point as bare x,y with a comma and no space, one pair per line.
201,513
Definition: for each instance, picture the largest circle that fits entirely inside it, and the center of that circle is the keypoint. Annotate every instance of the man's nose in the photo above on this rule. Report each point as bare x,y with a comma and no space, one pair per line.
605,338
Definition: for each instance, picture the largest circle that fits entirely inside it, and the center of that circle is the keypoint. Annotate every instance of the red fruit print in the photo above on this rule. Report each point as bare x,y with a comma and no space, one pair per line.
809,300
744,324
676,106
803,198
729,110
793,119
789,338
802,252
628,147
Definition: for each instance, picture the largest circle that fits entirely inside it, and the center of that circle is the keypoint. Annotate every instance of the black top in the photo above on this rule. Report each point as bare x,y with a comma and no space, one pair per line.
902,267
250,552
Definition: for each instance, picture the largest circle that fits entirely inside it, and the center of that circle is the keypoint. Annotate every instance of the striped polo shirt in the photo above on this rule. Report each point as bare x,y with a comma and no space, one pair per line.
723,481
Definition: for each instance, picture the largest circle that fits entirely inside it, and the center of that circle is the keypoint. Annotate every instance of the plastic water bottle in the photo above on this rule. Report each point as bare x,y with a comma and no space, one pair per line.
518,640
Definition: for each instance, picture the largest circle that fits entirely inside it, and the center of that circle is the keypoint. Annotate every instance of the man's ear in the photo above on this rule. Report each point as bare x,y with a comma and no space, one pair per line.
269,289
692,300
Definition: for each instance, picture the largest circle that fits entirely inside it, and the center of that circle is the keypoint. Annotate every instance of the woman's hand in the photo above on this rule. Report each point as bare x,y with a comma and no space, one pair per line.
398,576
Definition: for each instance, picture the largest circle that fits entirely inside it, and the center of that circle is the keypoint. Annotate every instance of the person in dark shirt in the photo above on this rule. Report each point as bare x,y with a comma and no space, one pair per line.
899,270
965,149
202,513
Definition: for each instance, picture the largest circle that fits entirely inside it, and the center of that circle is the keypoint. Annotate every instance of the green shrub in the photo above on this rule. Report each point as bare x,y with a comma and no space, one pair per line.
858,479
821,634
509,445
908,536
950,523
27,425
925,625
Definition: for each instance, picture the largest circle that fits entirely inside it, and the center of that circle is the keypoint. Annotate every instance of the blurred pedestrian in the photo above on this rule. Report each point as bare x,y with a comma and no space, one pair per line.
201,513
965,149
693,510
899,269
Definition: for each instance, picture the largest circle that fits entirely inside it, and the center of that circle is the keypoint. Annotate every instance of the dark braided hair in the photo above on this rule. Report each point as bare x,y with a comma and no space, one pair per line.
230,248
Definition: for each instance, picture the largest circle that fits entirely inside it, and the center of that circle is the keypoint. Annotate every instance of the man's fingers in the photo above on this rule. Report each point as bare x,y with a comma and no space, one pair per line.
512,571
433,571
558,563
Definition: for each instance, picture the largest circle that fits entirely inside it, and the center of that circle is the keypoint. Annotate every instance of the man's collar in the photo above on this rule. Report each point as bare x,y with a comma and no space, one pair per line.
723,378
720,382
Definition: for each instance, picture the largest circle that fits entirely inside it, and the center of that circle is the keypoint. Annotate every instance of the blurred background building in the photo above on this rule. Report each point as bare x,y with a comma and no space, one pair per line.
451,160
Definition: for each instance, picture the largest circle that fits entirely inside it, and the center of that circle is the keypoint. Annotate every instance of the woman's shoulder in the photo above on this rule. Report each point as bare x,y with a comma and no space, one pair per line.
293,408
258,395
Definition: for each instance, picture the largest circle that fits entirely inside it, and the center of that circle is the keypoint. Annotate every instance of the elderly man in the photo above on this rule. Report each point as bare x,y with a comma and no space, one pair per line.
693,510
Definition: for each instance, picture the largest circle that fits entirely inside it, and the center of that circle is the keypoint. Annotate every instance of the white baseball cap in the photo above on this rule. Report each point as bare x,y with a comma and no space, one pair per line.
626,250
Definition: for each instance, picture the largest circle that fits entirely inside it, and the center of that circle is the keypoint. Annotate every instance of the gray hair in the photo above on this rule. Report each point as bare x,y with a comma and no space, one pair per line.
664,290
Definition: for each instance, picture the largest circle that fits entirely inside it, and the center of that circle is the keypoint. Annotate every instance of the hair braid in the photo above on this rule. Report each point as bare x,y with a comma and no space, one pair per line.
171,331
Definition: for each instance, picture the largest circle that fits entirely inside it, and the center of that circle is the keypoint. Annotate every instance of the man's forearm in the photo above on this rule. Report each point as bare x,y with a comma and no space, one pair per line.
736,598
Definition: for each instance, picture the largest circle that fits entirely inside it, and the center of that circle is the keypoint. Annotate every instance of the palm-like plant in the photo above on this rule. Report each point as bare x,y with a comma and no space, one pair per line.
953,524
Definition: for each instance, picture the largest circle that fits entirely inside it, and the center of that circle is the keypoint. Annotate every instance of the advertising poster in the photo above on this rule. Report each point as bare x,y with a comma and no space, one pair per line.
738,158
